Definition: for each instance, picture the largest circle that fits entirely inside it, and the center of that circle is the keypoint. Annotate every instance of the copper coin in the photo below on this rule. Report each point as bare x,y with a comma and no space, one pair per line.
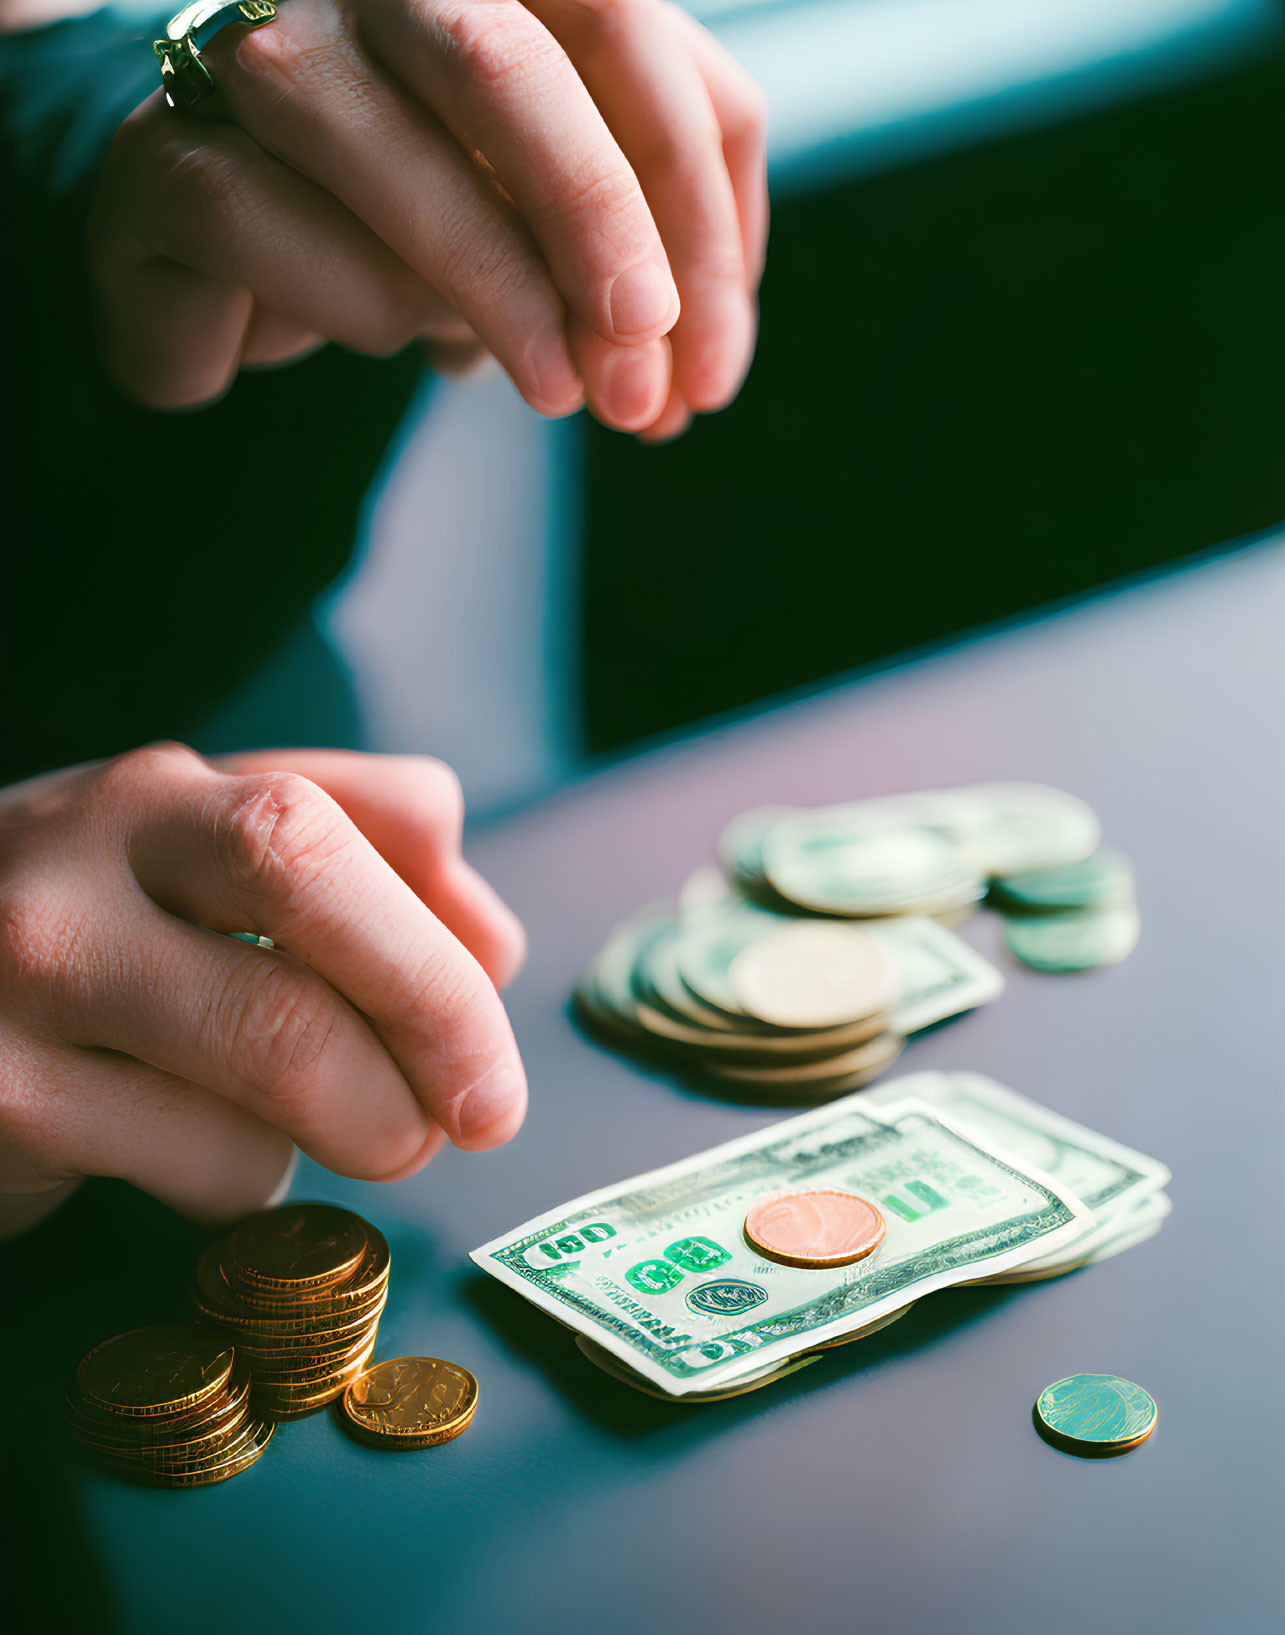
821,1227
410,1402
156,1371
297,1247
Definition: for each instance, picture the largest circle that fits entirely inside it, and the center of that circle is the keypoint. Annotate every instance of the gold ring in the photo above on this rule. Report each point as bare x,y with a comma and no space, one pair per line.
184,76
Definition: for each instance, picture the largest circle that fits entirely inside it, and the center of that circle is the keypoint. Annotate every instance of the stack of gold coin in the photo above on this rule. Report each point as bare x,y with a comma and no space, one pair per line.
169,1407
299,1291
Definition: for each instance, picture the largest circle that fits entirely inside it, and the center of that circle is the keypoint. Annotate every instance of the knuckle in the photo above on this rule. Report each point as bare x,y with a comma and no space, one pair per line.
495,46
749,121
598,198
275,1028
282,833
481,273
44,951
148,768
449,992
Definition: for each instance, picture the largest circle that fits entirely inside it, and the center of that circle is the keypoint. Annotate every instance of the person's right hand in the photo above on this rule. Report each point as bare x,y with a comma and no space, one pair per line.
136,1042
548,179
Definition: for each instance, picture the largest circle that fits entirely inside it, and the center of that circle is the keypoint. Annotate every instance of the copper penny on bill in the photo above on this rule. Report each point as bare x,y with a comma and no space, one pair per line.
820,1227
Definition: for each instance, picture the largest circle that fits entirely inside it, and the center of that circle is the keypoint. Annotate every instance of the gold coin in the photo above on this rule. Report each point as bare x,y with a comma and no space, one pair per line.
91,1424
283,1400
219,1445
205,1476
156,1371
304,1373
410,1402
363,1282
308,1351
298,1247
350,1301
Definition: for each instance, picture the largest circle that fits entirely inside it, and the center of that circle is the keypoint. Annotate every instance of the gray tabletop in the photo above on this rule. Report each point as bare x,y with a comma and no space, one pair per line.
899,1484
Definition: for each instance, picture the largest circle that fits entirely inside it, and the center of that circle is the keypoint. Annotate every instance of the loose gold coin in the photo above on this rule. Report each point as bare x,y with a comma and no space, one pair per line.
298,1247
410,1402
156,1371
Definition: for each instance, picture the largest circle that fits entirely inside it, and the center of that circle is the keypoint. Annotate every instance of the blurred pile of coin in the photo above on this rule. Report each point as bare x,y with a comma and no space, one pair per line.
1072,918
825,939
168,1407
299,1291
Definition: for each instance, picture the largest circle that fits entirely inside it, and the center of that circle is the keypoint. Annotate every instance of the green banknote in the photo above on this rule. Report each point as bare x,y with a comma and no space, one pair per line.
1120,1186
658,1271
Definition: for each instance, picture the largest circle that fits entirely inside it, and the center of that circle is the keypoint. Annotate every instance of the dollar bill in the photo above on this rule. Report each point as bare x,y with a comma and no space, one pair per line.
657,1270
1121,1187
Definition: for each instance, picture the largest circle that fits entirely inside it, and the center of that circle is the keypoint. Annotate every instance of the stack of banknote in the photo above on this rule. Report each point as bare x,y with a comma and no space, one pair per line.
801,965
972,1183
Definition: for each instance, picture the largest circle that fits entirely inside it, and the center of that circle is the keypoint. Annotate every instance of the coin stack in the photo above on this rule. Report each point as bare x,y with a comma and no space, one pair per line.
299,1291
168,1407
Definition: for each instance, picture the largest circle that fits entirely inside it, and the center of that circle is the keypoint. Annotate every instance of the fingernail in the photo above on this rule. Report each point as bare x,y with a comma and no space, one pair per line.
555,386
631,381
492,1110
643,298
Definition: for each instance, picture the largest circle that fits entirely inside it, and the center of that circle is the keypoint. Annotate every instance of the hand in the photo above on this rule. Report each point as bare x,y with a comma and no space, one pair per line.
136,1042
577,186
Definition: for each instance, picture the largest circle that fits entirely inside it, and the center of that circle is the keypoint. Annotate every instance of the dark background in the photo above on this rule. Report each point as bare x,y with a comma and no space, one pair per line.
983,381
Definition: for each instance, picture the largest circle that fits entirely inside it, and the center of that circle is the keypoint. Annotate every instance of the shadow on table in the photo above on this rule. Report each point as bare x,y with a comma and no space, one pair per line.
621,1411
108,1260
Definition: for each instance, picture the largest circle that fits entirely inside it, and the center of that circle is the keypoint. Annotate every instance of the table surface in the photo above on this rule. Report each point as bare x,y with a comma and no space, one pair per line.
898,1484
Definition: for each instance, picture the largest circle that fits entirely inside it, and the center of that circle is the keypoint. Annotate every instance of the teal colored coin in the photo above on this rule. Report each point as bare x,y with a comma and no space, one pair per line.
1073,939
1104,879
1095,1413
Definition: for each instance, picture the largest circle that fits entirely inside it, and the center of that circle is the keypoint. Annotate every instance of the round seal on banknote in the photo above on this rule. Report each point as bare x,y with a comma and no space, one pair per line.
410,1402
820,1227
1095,1414
814,975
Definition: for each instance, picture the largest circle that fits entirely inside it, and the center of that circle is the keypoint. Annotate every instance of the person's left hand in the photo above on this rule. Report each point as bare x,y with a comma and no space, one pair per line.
579,186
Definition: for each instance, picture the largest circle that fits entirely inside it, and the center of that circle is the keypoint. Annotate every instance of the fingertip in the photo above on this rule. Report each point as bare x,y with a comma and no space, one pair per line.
491,1112
432,1143
547,377
627,387
674,420
509,955
710,369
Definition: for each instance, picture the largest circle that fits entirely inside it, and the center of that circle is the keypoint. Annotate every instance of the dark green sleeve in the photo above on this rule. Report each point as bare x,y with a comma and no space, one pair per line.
146,560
